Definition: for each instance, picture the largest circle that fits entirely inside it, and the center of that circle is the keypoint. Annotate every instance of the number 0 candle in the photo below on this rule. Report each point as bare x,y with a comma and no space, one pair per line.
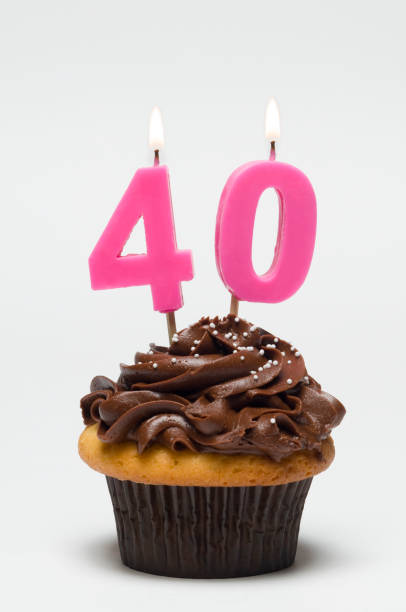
163,267
235,226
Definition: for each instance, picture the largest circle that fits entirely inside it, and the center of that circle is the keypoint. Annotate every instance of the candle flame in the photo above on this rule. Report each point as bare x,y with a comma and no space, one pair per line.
156,130
272,125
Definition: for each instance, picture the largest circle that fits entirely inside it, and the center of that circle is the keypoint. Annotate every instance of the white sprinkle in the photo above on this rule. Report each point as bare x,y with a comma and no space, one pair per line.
234,344
242,357
235,351
297,354
193,348
276,340
253,372
268,346
253,328
173,360
275,362
261,352
273,420
289,381
306,379
150,352
255,377
267,365
140,362
260,369
196,355
237,320
155,365
245,335
283,353
234,337
289,361
249,348
195,341
212,325
215,332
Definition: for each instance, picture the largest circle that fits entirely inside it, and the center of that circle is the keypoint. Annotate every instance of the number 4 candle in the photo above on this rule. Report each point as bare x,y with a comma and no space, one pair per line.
235,226
163,267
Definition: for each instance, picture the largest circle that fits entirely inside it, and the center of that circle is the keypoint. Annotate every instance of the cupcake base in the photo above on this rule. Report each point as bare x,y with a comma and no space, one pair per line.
207,532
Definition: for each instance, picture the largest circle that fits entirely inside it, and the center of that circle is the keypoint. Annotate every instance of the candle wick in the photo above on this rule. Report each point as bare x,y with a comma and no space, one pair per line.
156,157
272,154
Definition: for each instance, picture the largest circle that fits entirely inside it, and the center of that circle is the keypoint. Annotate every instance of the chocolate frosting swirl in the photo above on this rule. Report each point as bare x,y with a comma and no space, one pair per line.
223,386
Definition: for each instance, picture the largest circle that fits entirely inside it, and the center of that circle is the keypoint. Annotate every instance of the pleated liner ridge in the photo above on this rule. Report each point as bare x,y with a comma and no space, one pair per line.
207,532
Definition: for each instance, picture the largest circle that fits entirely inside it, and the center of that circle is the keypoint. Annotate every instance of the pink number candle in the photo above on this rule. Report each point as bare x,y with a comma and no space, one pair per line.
164,266
235,226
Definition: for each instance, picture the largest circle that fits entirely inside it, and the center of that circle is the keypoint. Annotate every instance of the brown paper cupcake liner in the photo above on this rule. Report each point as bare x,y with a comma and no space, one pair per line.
207,532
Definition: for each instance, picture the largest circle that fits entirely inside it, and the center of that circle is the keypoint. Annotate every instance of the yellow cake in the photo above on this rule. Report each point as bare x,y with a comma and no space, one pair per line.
159,465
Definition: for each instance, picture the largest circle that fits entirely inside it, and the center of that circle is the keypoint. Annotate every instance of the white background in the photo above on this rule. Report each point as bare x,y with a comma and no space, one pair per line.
79,79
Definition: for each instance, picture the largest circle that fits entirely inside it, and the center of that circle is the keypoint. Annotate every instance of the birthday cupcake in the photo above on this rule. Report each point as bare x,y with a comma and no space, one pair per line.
209,449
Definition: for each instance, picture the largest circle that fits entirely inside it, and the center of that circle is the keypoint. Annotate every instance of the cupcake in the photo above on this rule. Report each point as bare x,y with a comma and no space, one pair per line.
209,448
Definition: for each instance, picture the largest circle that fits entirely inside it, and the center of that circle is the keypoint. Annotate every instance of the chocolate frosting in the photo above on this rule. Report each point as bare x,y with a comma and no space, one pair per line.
223,386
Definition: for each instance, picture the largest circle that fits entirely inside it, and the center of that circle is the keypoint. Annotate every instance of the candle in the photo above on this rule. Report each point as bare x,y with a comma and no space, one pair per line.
235,226
163,266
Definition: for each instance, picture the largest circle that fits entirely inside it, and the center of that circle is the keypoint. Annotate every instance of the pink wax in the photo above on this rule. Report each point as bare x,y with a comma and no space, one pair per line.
163,266
235,226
